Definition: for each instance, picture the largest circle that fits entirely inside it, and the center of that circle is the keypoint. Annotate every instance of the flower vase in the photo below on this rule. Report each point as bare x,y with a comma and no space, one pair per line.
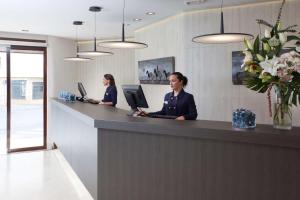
282,114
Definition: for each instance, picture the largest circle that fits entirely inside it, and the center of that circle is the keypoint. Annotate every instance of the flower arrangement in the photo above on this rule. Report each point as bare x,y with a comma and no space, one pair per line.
267,67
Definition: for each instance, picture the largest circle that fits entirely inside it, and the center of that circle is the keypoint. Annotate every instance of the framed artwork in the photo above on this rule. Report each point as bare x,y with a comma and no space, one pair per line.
156,71
238,74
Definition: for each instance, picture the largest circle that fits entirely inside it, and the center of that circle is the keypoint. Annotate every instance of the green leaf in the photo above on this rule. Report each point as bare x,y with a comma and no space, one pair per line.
292,37
260,21
294,99
266,47
263,89
287,95
265,40
260,57
256,84
289,29
256,45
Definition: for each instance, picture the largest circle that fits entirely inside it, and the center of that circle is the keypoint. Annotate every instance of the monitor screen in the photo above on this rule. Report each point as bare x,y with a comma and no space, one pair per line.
81,90
135,96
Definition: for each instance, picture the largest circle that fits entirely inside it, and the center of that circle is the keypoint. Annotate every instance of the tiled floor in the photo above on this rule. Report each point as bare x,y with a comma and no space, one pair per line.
42,175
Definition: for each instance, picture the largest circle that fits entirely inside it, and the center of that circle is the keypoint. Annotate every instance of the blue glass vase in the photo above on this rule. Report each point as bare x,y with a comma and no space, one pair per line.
243,119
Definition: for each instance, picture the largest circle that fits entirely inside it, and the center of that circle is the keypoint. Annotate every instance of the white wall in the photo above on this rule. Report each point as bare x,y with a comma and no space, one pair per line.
120,65
62,75
208,67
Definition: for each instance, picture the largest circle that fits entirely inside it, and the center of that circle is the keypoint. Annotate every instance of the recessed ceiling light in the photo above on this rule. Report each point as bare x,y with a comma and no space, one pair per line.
137,19
150,13
194,2
25,30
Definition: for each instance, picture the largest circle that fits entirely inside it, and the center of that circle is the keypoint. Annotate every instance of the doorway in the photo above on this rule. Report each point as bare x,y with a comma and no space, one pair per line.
24,103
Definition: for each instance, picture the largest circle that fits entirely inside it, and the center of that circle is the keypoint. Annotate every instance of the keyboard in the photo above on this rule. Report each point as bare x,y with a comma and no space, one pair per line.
92,101
163,116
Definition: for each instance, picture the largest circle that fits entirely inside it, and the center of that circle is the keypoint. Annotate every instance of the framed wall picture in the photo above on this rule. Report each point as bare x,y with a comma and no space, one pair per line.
238,74
156,71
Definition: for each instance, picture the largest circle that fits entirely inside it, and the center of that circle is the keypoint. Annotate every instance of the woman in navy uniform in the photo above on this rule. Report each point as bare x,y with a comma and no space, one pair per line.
110,96
178,103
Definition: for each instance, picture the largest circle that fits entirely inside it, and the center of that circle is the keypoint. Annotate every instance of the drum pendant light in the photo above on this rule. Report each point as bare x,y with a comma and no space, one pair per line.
77,58
95,9
222,37
123,44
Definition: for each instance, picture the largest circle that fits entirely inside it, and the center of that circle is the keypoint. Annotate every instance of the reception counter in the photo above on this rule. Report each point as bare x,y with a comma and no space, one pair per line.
119,157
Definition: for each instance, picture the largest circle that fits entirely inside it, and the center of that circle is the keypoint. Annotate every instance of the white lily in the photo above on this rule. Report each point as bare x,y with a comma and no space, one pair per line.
248,56
267,33
270,66
282,38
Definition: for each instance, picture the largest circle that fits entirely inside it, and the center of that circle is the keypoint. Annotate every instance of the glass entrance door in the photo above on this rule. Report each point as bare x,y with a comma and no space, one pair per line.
3,98
27,99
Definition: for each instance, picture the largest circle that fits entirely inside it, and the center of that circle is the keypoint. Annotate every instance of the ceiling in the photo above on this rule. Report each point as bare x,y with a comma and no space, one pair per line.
55,17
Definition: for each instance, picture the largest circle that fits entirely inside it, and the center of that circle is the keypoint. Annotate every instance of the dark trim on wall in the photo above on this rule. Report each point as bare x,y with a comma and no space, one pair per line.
45,96
22,40
8,94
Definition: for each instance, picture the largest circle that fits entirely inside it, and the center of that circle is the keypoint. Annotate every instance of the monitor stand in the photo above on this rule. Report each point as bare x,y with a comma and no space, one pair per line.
82,99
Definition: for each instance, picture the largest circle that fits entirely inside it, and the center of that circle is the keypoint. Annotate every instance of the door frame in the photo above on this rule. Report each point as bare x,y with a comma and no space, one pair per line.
8,53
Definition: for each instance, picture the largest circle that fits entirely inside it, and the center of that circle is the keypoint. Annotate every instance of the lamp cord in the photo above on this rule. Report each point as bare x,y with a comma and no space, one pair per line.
123,24
95,29
222,20
77,47
222,6
123,11
95,24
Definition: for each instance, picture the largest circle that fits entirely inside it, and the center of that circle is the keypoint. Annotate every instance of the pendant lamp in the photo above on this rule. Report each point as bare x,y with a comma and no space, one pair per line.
123,44
95,9
222,37
77,58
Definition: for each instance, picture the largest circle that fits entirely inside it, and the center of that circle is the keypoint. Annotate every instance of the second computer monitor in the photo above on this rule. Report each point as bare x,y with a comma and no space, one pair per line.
135,96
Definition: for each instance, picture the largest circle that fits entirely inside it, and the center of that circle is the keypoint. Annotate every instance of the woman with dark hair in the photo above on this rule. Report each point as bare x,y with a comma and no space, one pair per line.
178,102
110,96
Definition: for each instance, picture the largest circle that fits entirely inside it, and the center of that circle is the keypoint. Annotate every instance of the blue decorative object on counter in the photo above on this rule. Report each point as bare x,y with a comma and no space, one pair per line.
67,96
243,118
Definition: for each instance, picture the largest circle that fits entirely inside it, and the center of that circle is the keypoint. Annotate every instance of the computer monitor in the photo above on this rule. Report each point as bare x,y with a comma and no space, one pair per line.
135,97
81,90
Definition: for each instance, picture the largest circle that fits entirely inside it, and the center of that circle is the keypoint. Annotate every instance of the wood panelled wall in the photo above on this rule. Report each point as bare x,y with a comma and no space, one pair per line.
120,65
208,67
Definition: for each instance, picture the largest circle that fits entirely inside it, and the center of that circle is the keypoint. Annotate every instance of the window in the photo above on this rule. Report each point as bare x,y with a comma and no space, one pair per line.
37,90
18,89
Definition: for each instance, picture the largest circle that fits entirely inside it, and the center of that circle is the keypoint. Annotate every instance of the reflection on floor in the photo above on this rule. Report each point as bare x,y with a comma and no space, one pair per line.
2,142
42,175
26,125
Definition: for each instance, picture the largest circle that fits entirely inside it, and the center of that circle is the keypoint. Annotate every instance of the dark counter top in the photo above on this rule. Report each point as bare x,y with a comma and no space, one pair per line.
106,117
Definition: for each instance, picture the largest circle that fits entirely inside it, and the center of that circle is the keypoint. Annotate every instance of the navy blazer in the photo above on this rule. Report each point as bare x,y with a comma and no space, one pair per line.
110,95
181,105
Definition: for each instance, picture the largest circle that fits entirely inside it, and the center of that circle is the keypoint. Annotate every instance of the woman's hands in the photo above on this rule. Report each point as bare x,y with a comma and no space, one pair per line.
106,103
180,118
141,113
